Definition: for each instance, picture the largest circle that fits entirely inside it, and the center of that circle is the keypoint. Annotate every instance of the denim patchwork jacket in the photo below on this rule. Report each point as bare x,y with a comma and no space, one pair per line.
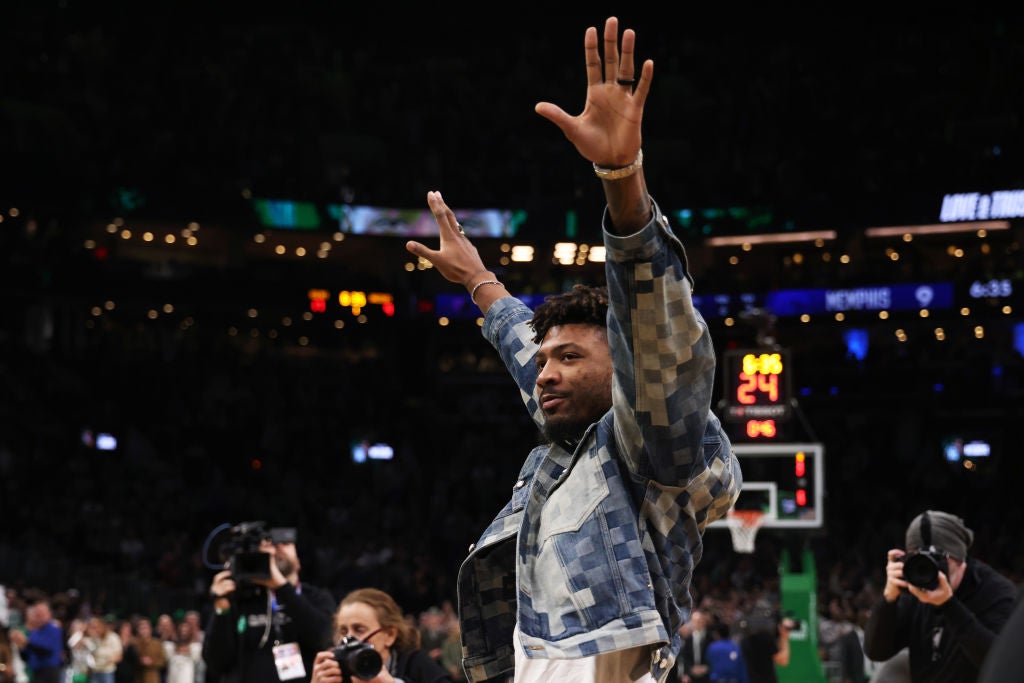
595,550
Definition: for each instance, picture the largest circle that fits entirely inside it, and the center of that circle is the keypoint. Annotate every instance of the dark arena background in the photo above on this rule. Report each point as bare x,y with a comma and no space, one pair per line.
209,316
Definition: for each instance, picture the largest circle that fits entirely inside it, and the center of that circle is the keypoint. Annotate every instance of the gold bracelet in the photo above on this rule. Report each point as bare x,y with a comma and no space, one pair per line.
472,295
623,172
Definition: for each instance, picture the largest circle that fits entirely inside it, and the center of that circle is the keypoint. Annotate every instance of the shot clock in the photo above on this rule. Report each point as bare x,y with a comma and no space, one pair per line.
757,389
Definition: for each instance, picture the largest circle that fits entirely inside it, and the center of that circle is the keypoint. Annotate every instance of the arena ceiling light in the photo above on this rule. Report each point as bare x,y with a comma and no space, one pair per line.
771,238
936,229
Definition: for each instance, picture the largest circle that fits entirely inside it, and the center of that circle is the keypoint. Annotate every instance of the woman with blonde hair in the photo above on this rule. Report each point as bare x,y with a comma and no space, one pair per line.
368,616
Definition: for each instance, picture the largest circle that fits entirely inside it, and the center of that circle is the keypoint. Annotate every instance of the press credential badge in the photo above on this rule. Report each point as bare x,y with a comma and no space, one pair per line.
288,660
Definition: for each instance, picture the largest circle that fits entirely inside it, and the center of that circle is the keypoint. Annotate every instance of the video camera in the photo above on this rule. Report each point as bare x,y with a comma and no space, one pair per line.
241,553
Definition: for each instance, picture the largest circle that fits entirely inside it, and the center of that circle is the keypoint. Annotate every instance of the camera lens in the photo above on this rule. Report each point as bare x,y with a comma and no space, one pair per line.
365,663
358,659
921,570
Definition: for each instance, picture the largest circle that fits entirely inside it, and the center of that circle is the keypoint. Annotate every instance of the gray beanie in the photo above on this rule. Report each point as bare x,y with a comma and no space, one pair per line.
947,533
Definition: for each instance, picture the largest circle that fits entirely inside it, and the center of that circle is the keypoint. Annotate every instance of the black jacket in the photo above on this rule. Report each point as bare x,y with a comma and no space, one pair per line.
303,616
1005,661
965,627
416,666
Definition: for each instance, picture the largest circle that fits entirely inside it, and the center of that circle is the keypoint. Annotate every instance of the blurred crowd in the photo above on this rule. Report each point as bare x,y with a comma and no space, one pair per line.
133,648
731,592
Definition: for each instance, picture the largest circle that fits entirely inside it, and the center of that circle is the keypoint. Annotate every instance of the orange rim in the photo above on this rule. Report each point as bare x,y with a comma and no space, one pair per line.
749,518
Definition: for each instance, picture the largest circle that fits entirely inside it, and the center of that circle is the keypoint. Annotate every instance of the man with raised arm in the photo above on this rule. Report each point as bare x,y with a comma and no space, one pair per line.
585,574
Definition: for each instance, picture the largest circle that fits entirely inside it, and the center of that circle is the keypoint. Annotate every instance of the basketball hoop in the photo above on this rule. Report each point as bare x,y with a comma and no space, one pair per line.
743,526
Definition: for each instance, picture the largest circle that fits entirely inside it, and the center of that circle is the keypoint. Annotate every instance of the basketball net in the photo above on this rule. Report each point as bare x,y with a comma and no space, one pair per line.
743,526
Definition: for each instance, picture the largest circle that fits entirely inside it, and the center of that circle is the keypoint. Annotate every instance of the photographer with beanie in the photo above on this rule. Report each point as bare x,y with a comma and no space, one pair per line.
945,608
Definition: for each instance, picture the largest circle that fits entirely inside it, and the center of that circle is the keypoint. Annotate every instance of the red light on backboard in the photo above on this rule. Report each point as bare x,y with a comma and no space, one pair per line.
801,497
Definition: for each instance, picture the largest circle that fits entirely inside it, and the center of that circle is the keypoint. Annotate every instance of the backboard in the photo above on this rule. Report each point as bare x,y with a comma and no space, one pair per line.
786,481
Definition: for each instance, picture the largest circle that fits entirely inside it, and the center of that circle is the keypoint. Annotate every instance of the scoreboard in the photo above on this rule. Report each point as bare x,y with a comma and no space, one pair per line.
757,390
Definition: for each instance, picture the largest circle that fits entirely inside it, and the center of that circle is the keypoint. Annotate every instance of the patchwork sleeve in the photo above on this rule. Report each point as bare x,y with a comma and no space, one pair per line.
663,358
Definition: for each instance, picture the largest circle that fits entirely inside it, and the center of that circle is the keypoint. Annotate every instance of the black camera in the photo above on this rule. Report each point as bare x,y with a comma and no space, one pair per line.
763,619
921,568
241,552
357,658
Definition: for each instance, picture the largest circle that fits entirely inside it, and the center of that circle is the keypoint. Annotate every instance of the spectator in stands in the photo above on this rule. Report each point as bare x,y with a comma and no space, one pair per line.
372,616
195,627
125,671
76,665
692,665
725,660
184,655
194,620
588,567
42,646
166,630
150,651
105,649
840,639
7,656
451,651
946,608
432,631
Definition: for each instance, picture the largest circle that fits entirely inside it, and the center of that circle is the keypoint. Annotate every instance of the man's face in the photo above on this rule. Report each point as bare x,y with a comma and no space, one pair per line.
287,558
34,617
575,379
165,625
285,555
955,572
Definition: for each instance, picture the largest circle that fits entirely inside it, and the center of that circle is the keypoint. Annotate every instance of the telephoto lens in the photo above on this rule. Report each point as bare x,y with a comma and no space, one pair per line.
357,658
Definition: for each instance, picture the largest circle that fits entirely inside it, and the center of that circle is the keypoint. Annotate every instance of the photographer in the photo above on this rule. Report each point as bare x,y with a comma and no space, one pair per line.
945,608
267,625
376,645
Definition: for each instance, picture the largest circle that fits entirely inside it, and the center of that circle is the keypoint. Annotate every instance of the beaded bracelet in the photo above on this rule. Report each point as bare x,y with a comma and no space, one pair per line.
472,294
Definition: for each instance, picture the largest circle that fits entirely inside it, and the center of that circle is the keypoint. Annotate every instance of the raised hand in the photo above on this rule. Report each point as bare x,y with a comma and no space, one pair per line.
607,132
457,258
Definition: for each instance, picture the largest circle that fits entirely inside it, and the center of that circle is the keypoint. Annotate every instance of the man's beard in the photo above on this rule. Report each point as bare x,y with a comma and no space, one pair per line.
564,431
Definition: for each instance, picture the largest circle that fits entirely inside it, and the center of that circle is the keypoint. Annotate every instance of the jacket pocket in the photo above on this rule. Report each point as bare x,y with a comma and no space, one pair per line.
587,551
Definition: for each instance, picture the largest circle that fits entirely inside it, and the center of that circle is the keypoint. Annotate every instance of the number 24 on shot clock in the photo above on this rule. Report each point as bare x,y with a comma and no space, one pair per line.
757,385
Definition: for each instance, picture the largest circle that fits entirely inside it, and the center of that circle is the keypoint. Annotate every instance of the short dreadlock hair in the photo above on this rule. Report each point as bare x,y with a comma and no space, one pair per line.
583,304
